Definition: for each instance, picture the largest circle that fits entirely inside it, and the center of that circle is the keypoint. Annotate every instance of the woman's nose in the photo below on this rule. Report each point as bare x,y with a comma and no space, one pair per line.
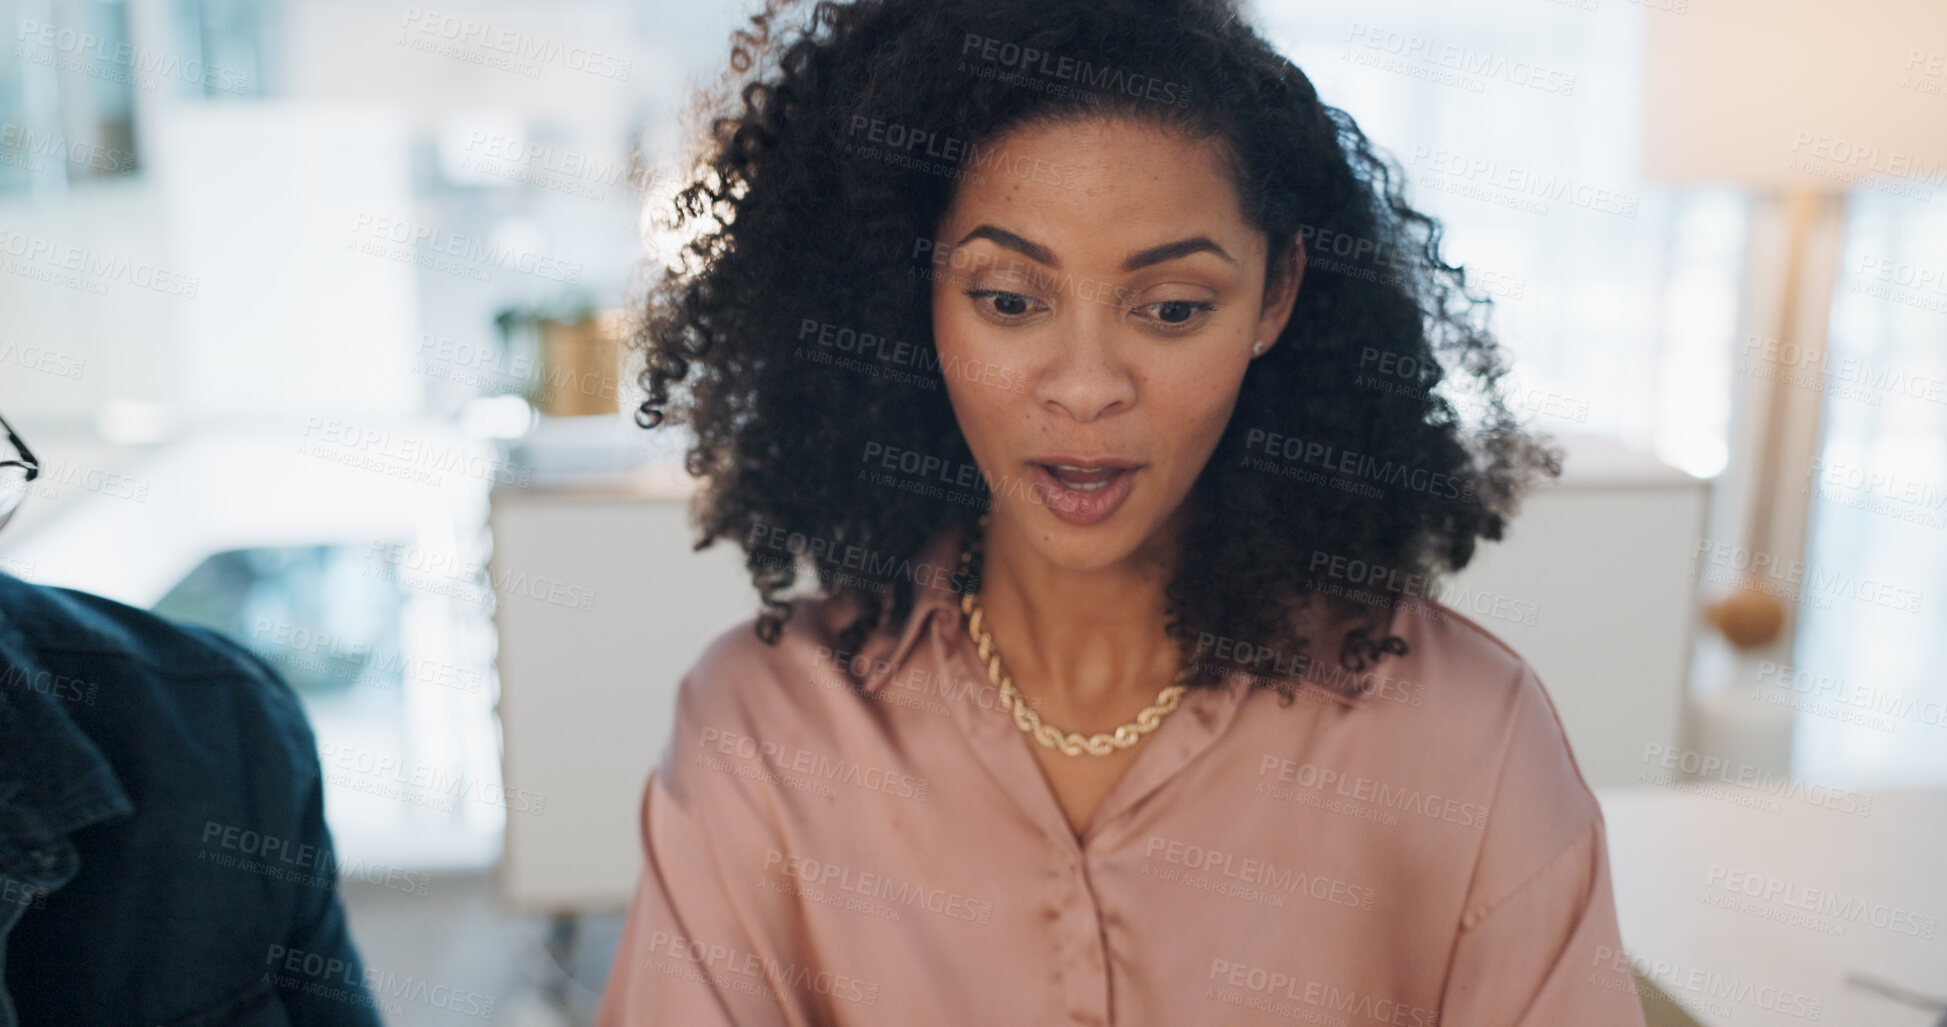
1088,375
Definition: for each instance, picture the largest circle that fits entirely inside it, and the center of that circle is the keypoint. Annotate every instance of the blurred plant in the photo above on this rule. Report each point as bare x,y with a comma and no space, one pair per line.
572,348
566,307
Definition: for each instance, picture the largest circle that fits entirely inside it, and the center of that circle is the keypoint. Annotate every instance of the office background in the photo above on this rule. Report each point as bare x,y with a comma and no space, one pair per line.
310,309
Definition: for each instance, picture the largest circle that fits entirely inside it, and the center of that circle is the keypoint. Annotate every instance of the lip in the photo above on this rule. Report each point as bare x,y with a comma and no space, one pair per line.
1083,508
1086,462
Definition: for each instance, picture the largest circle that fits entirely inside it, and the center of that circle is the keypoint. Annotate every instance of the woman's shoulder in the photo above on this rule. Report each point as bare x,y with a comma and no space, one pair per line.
764,724
1460,713
1455,662
1451,664
740,681
1480,693
1491,728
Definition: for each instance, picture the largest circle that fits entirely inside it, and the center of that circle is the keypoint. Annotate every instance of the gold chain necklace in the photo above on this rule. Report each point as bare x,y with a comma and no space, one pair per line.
1070,743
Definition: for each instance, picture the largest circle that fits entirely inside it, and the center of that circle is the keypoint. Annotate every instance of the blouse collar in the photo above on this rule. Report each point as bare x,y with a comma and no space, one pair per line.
938,585
936,601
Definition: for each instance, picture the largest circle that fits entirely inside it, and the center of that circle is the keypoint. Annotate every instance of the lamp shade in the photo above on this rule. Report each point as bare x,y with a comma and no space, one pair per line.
1790,95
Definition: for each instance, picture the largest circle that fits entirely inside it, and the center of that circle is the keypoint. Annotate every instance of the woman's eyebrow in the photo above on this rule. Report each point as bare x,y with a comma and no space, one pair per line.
1004,238
1171,251
1042,255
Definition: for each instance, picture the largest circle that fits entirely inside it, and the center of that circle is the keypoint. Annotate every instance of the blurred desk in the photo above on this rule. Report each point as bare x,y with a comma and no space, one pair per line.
1754,914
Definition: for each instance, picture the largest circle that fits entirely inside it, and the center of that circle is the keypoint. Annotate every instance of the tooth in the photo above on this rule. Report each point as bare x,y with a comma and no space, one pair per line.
1097,478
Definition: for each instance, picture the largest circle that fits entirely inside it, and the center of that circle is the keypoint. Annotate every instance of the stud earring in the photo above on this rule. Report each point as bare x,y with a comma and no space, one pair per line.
1257,348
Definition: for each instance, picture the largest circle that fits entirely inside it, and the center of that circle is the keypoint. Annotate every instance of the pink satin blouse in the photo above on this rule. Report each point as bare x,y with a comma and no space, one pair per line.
1426,855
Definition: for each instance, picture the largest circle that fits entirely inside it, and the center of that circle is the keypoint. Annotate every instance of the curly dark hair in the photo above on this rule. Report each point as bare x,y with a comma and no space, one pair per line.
799,216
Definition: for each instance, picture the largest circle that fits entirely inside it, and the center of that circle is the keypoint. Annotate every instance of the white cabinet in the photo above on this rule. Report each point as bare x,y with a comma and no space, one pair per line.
602,608
1601,557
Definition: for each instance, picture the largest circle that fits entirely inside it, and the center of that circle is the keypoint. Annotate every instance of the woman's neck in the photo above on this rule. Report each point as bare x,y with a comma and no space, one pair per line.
1078,640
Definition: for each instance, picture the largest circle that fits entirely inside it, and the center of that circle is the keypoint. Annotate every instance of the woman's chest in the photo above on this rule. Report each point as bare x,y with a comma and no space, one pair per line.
1080,783
1184,912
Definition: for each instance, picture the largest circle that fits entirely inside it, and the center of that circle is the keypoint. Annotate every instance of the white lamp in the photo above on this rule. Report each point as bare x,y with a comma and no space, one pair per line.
1798,101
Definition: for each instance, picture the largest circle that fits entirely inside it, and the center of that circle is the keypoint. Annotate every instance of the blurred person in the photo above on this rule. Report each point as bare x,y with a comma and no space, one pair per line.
1090,360
163,851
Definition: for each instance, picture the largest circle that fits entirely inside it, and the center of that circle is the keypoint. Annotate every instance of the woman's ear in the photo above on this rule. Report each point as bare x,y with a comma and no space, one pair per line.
1281,292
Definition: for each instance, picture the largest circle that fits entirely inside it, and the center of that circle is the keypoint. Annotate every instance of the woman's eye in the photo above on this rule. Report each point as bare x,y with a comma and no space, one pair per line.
1178,312
1006,304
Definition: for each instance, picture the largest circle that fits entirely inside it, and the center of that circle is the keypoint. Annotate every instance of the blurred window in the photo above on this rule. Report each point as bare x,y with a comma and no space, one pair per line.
1516,125
67,93
1870,695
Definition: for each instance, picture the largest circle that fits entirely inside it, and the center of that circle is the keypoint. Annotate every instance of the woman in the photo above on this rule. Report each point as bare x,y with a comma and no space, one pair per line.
1091,362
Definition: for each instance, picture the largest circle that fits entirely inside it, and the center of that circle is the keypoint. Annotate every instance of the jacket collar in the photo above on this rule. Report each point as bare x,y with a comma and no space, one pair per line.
53,779
936,602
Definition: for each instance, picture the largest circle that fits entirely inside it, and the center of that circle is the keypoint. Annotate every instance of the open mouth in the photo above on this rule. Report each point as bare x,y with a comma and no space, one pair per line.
1083,493
1084,479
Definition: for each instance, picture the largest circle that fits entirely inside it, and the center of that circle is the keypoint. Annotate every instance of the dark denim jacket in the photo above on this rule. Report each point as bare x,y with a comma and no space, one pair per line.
163,852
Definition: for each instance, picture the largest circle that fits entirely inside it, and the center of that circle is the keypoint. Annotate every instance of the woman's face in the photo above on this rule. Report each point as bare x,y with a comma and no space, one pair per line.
1095,297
